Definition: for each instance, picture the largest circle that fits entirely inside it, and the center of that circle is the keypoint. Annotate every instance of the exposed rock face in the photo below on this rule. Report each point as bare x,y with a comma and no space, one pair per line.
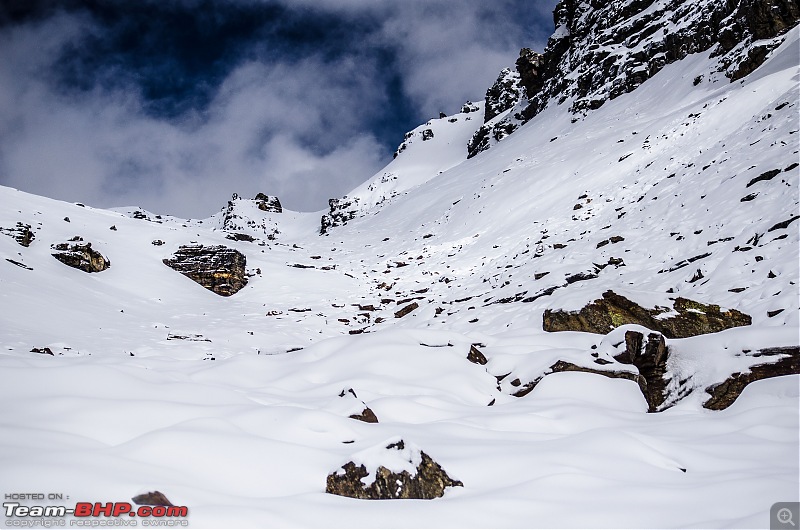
217,268
268,203
503,94
724,394
80,256
651,360
613,310
427,481
341,211
601,50
21,233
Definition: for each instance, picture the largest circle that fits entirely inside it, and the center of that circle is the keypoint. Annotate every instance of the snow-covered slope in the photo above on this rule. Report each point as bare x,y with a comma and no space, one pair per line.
238,407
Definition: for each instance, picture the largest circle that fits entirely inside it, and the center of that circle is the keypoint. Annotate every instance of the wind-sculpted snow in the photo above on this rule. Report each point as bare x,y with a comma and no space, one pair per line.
136,379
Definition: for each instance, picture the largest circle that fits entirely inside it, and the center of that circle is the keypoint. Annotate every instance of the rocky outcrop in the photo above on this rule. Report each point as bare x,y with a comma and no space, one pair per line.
725,393
602,50
21,233
243,218
503,94
613,310
341,211
651,359
217,268
421,478
268,203
80,256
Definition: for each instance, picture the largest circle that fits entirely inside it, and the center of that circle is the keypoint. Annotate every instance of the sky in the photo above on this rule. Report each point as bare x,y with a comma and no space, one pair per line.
174,105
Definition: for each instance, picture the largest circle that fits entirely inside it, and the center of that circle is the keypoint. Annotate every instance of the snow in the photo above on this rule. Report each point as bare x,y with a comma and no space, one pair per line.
244,423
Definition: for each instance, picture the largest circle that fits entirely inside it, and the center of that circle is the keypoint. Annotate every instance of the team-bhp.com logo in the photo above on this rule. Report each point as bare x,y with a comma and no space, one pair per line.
93,514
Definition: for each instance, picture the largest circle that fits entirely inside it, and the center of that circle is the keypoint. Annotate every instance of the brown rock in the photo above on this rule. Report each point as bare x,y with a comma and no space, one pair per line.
153,498
81,256
428,482
724,394
406,310
217,268
613,310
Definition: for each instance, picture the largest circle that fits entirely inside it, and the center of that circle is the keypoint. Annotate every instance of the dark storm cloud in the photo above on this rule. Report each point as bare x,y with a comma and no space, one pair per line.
175,105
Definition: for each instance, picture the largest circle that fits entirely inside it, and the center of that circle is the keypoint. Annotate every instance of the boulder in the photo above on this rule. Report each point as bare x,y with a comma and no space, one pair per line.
394,470
80,256
613,310
152,498
268,203
217,268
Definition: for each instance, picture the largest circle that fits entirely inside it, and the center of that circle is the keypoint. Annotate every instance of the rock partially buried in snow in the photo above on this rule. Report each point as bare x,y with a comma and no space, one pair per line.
217,268
687,318
152,498
394,469
723,395
81,256
21,233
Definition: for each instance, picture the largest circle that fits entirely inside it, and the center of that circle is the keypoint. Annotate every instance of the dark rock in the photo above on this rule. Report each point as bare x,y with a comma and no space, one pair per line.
240,237
157,242
268,203
341,211
565,366
46,351
19,264
724,394
406,310
476,356
366,415
651,360
217,268
767,175
427,134
503,94
21,233
469,107
613,310
81,256
153,498
428,481
784,224
529,66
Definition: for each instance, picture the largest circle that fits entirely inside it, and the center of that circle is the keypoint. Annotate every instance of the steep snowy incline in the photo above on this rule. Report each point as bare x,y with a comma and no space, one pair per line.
695,201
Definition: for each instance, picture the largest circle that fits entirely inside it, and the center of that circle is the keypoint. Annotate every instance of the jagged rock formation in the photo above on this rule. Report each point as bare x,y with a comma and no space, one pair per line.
503,94
239,217
651,360
217,268
611,311
268,203
341,211
427,481
21,233
601,50
80,256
